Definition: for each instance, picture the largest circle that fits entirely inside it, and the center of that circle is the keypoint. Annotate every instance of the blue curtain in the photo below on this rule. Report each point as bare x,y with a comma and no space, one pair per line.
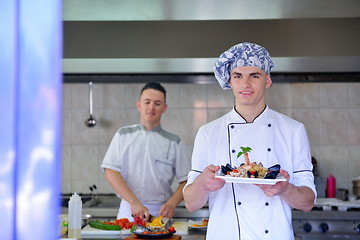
30,125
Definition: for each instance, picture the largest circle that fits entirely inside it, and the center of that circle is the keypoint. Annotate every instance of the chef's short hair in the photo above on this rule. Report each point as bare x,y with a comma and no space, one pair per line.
154,85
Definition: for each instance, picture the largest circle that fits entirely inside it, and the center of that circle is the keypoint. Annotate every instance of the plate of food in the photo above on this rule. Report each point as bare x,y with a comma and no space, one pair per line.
199,224
154,235
250,172
157,229
231,179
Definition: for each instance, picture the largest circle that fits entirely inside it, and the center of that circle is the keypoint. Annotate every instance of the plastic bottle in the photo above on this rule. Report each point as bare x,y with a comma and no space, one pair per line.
75,216
331,186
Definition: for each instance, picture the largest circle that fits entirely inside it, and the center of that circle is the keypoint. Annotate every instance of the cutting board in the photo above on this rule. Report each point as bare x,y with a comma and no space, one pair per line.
90,231
181,227
173,237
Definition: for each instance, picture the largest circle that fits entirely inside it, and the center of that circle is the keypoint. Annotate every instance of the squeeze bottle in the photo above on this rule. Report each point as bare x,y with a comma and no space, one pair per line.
75,216
331,186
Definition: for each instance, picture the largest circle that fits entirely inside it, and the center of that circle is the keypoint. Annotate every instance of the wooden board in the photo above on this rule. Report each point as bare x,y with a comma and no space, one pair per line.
174,237
90,231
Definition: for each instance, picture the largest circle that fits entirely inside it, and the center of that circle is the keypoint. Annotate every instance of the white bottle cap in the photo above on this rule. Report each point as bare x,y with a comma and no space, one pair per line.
75,197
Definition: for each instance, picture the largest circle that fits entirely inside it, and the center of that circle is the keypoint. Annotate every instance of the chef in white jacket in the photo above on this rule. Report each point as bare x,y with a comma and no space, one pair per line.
250,211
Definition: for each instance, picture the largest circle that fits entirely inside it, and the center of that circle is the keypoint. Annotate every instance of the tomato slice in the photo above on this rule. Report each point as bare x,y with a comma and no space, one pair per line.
171,229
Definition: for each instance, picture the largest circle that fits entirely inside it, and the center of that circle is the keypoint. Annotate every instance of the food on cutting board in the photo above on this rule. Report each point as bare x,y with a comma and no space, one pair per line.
250,170
117,224
138,226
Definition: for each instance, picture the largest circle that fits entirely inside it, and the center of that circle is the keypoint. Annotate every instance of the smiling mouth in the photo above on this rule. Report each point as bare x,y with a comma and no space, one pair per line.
246,92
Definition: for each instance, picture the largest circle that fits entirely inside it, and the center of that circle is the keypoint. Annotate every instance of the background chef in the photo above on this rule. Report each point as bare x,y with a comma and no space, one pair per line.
143,159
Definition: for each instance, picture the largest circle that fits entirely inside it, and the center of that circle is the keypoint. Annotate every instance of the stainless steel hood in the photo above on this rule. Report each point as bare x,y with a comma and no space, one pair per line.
185,37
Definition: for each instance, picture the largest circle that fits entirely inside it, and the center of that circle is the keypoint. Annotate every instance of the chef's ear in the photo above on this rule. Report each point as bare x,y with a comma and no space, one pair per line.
165,108
268,81
138,105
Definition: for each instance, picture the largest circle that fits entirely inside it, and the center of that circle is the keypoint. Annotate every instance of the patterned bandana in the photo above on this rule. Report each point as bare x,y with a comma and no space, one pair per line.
242,54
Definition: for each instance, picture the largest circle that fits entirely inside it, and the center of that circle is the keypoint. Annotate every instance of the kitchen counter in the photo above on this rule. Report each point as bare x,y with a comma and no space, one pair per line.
192,235
95,234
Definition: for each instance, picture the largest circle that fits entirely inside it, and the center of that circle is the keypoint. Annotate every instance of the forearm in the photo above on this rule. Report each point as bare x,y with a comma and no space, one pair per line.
301,198
120,186
196,194
177,197
195,197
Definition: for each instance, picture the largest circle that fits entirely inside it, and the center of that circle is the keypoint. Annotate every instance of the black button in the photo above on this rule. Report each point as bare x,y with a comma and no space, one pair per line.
269,149
233,151
266,231
232,126
269,125
239,203
266,204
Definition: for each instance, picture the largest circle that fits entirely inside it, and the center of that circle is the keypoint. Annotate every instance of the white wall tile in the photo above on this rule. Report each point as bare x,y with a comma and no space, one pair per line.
193,96
354,165
311,119
132,94
333,128
192,120
80,96
333,160
305,95
66,126
333,95
109,121
354,96
172,95
80,133
279,96
330,112
354,126
218,97
66,96
84,162
111,96
215,113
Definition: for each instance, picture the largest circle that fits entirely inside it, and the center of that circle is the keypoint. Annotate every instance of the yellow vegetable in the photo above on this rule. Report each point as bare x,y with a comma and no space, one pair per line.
157,222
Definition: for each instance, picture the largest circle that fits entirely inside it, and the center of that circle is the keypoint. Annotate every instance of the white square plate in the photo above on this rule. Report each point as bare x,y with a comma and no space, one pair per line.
230,179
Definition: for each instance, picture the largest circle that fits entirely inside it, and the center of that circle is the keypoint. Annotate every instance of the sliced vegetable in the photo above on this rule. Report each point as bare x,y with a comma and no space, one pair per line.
104,226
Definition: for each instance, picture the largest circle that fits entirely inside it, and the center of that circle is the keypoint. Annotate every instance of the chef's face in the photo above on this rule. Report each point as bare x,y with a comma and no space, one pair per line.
151,106
248,85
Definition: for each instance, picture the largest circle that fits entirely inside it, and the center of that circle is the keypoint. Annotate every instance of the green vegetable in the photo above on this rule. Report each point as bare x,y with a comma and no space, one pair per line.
101,225
244,150
133,228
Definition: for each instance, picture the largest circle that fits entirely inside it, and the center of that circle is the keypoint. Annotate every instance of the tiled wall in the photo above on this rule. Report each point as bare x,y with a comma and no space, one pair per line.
330,112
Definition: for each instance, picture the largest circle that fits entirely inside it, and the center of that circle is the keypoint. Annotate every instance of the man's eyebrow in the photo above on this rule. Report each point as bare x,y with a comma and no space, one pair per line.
255,73
252,74
235,73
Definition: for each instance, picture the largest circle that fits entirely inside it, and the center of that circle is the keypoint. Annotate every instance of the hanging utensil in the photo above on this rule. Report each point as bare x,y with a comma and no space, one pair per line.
90,122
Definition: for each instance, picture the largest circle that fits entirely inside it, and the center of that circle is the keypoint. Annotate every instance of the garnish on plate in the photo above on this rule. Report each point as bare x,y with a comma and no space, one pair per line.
250,170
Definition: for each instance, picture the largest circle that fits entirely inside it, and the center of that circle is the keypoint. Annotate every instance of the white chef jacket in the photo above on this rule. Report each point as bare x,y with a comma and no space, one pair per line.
243,211
148,162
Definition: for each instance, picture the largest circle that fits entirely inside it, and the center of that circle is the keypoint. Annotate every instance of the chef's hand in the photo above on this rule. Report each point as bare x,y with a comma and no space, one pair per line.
278,188
208,181
139,210
167,210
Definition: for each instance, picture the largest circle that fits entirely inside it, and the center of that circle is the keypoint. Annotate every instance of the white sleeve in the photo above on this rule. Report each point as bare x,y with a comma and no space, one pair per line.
183,163
303,175
200,155
112,159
